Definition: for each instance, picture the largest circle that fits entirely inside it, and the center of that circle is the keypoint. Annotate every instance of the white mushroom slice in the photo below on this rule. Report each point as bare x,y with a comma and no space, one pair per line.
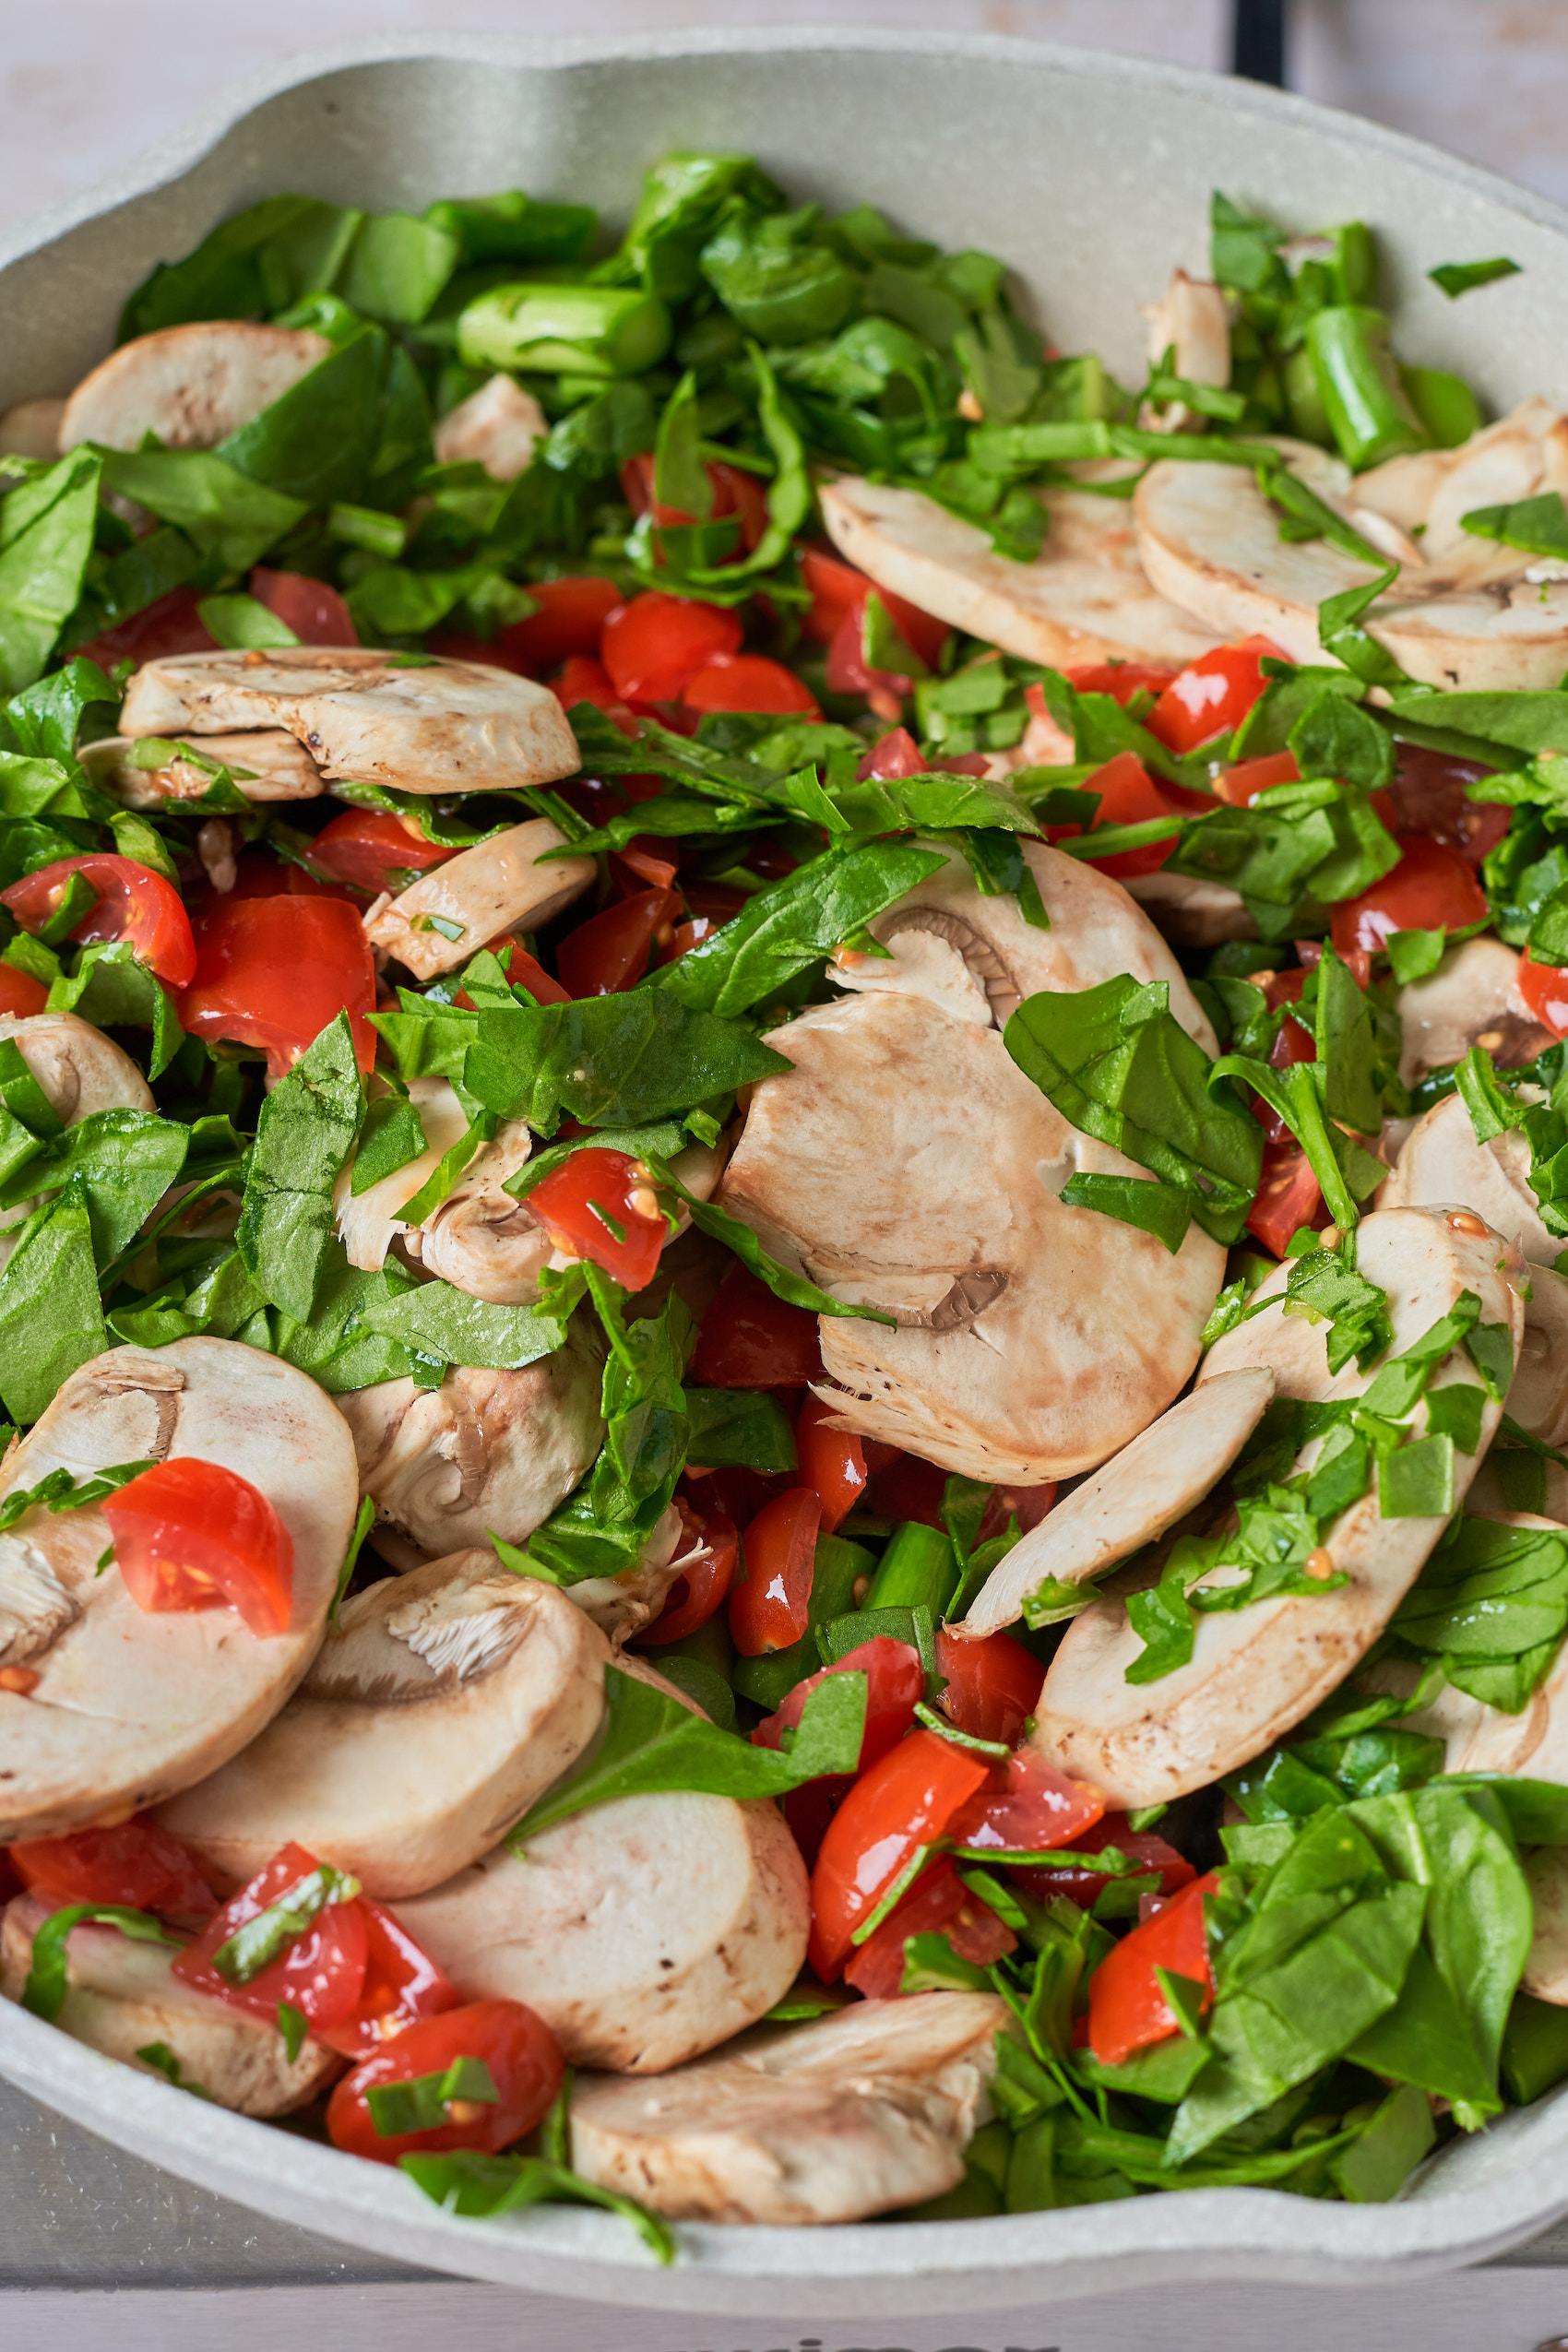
907,1163
972,953
849,2116
485,1451
1192,912
1546,1971
1539,1398
271,765
643,1931
437,1710
368,1222
1084,599
190,386
1441,1163
1472,999
127,1708
1483,1738
621,1606
80,1071
1467,613
1192,322
1130,1499
438,727
122,1998
1255,1672
482,1239
31,429
449,914
500,425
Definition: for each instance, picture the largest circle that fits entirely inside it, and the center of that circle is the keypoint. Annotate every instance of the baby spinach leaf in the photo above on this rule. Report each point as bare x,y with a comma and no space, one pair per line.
1538,526
450,1326
46,534
313,444
51,1322
1491,1603
221,510
390,1137
464,2182
741,1427
611,1060
305,1132
1457,278
122,1162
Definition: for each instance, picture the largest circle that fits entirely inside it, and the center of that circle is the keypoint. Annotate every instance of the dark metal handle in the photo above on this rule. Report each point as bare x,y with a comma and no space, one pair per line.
1258,40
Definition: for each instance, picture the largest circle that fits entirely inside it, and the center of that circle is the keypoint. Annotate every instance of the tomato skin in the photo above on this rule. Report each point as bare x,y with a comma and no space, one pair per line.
316,612
1544,988
171,625
586,680
700,1590
563,1204
136,1863
735,492
1122,679
321,1974
749,682
1085,1886
275,973
1432,888
653,645
938,1904
907,1799
832,1463
134,904
767,1607
1241,785
1127,2008
521,2053
1129,795
1430,794
572,613
835,619
366,847
20,994
401,1984
191,1535
1211,696
1288,1195
992,1686
1027,1807
750,1340
610,952
523,970
894,1684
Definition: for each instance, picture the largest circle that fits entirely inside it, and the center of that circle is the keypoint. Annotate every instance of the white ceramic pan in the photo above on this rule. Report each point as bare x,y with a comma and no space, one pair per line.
1092,175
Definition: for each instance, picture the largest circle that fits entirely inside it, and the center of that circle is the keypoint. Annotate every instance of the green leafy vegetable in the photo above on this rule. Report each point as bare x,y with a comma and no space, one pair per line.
48,1978
305,1132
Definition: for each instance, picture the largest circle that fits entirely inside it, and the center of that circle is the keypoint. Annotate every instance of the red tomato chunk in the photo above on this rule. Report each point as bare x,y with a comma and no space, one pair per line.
193,1535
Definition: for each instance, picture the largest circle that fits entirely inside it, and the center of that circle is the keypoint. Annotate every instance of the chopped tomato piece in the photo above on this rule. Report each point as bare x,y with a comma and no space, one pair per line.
524,971
769,1607
371,850
1431,888
903,1487
735,492
134,904
832,1462
938,1904
1027,1504
191,1535
905,1801
134,1863
1028,1807
401,1984
1127,2008
1288,1195
610,952
1085,1886
1211,696
1129,795
1242,784
634,868
512,2078
585,680
1122,679
709,1550
275,973
750,1340
894,753
894,1684
749,682
20,994
171,625
1430,794
571,614
654,645
992,1686
834,588
316,612
601,1205
319,1970
1544,988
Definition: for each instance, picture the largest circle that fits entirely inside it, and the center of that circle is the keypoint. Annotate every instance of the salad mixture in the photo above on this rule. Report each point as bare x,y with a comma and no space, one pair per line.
784,1140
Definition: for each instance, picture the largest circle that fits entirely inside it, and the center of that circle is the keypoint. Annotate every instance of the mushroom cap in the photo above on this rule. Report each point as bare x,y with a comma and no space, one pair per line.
368,1222
497,886
485,1451
280,769
1539,1398
1546,1971
120,1997
480,1237
1085,597
1256,1671
643,1931
191,386
130,1707
445,726
78,1068
1192,912
1130,1498
499,425
837,2119
1472,999
907,1163
1440,1164
437,1709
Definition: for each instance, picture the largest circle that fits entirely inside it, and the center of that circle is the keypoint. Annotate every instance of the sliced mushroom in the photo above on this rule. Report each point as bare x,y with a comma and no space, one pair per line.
1441,1163
1539,1398
121,1708
269,765
31,429
906,1162
621,1606
80,1071
1467,612
1085,598
643,1931
1192,912
1130,1499
500,425
972,952
1256,1671
483,1240
1546,1971
122,1998
849,2116
189,386
1472,999
441,1705
485,1451
1483,1738
436,727
449,914
1192,322
368,1222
